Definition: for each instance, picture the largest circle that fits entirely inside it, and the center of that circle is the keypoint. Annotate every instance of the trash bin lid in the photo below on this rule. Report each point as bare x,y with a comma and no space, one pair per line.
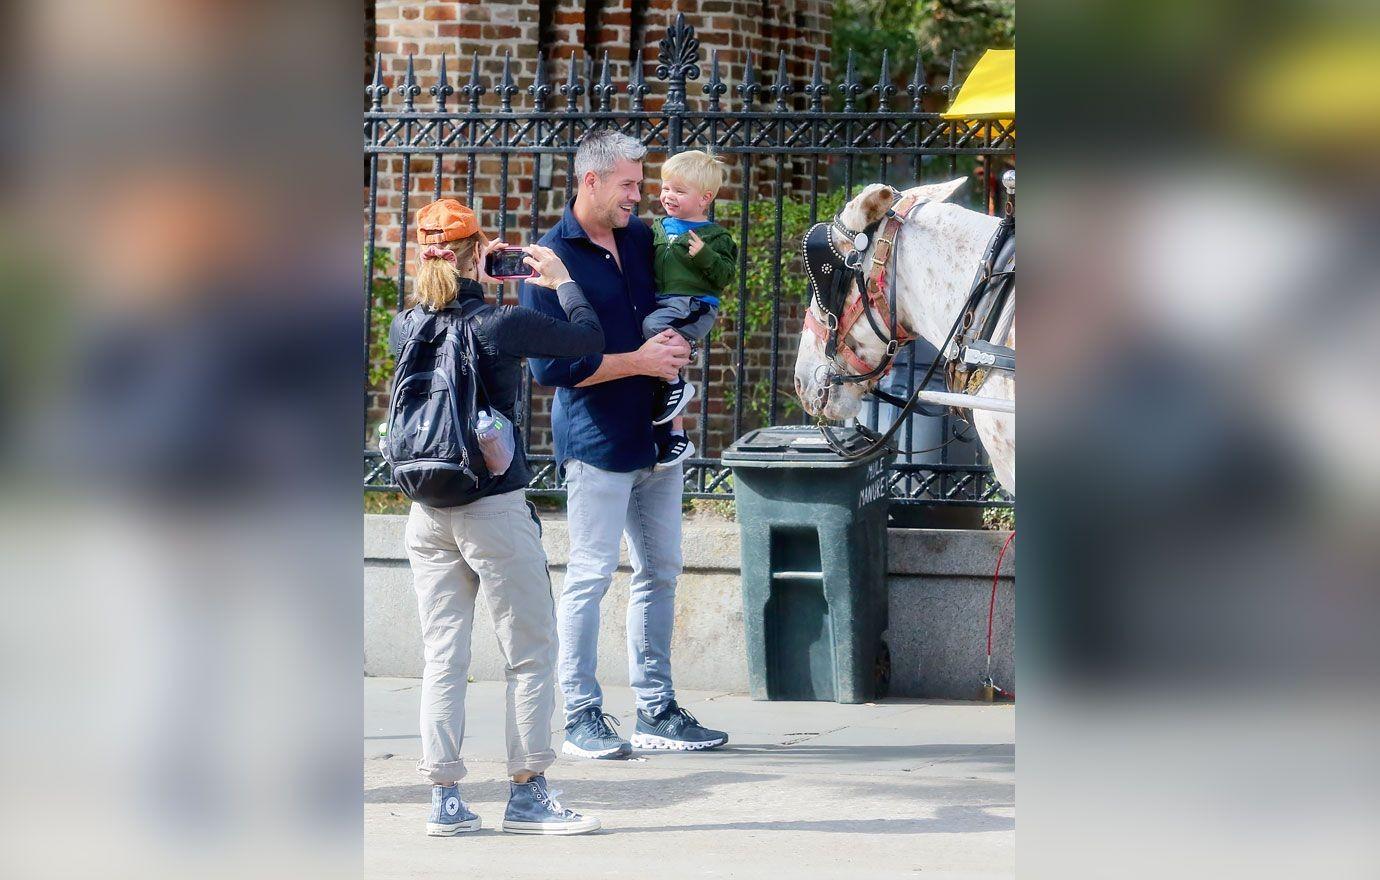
797,446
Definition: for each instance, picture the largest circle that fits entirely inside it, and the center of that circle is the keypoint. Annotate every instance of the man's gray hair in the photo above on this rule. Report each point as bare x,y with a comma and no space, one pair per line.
603,148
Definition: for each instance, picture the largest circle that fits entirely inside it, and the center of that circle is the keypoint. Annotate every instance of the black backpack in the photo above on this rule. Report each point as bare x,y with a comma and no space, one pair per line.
430,440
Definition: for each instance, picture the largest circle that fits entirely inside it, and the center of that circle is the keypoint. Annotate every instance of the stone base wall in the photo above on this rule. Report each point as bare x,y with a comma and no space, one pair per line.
939,586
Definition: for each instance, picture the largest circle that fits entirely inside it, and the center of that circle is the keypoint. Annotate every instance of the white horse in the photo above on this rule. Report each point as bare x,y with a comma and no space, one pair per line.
936,256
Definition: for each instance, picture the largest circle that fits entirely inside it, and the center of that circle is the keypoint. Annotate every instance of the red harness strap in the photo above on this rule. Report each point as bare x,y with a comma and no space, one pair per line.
881,258
876,297
814,326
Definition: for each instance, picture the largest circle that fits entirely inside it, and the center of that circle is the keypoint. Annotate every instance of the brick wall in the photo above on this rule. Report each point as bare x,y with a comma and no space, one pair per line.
469,32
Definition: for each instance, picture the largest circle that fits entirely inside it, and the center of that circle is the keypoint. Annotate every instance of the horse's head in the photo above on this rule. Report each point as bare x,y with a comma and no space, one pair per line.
843,400
868,207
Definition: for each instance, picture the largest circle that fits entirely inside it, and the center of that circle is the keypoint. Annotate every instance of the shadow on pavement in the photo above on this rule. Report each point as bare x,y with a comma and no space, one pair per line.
1000,756
585,794
950,820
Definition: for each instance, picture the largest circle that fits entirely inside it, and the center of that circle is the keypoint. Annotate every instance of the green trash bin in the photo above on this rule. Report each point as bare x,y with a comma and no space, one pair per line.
814,564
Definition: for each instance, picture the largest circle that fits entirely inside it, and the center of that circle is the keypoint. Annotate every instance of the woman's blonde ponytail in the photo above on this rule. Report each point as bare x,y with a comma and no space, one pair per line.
436,283
438,278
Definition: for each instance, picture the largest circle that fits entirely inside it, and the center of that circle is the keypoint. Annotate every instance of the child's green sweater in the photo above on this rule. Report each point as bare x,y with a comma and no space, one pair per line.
707,273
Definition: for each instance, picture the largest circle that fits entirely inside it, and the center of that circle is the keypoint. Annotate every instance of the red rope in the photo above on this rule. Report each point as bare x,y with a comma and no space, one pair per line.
992,603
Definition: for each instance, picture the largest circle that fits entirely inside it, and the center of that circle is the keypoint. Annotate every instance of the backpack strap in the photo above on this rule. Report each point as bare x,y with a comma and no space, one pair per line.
469,311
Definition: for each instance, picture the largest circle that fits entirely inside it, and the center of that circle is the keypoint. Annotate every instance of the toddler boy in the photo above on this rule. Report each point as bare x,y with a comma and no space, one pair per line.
695,260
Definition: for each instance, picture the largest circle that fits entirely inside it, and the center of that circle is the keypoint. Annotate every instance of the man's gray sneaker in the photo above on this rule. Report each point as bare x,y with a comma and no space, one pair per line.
532,809
676,729
590,734
449,815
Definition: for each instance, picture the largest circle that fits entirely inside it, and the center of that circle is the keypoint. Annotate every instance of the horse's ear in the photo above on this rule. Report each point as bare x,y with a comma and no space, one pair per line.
938,192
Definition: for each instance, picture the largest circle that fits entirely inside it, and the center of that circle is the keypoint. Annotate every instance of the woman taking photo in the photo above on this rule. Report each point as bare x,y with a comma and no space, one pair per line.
493,543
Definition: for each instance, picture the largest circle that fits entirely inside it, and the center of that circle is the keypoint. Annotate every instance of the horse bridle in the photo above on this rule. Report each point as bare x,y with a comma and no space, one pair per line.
840,317
843,294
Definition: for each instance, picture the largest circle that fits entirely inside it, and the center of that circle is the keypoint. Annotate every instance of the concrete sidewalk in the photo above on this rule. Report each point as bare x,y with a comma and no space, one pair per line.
903,788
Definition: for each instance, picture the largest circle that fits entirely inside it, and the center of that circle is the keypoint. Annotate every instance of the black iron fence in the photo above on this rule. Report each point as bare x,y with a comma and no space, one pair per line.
797,149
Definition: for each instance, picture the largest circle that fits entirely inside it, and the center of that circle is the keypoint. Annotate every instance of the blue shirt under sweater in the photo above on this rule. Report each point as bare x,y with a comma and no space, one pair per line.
675,226
608,425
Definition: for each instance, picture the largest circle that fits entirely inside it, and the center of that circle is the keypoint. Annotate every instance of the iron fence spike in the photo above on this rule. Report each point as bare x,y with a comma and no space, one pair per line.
637,82
749,88
378,89
781,89
816,89
605,88
850,87
884,88
442,90
540,88
918,85
574,86
715,86
507,89
410,89
475,88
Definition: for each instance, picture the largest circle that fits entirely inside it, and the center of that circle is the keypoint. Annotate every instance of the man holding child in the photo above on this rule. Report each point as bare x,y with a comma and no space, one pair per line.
655,291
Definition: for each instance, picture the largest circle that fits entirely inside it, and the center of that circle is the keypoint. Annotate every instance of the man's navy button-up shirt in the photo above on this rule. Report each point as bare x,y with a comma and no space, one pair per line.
608,425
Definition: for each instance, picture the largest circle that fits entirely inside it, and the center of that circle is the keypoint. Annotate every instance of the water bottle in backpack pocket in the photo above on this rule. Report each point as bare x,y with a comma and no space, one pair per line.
495,435
431,440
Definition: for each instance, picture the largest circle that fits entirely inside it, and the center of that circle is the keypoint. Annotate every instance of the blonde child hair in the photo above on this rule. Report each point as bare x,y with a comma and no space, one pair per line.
697,168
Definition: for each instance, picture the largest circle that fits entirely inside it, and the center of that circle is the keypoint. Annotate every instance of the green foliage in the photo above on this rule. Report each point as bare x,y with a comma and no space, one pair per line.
999,518
761,244
762,261
724,509
934,28
386,503
382,305
970,26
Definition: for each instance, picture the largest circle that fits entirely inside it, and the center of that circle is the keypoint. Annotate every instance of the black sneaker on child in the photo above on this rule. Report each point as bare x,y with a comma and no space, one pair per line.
674,450
677,397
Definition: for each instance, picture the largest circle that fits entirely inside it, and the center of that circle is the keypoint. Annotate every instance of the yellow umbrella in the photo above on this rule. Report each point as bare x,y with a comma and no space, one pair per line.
990,90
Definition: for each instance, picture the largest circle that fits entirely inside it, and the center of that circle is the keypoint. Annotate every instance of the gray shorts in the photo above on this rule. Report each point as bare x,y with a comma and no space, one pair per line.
689,316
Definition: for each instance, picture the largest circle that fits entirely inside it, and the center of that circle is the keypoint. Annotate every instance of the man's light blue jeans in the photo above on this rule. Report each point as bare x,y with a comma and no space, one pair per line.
602,506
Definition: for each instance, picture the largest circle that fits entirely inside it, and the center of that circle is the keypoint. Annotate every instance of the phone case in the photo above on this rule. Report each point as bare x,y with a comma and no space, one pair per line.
500,260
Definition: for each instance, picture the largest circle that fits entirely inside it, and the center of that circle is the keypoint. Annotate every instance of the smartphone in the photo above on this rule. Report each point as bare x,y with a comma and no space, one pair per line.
508,263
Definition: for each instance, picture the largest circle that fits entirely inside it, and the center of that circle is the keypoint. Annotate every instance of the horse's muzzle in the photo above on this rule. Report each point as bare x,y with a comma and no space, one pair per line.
814,403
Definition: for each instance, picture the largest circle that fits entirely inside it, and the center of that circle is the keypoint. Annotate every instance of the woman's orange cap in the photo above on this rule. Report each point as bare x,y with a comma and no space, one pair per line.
447,220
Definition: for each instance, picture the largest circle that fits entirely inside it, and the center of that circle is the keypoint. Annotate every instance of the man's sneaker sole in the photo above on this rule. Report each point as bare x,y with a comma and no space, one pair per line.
685,399
434,829
650,741
583,825
622,750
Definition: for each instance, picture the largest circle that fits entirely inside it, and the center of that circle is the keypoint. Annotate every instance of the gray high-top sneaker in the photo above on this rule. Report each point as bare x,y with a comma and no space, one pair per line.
532,809
449,815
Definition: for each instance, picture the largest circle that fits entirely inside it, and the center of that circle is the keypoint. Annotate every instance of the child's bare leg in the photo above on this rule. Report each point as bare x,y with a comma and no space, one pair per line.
678,425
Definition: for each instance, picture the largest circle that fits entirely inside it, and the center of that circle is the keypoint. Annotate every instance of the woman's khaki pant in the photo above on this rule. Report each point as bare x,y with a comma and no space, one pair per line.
494,545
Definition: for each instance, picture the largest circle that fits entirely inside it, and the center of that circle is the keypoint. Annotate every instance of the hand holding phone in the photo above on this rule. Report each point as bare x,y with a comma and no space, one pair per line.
549,270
